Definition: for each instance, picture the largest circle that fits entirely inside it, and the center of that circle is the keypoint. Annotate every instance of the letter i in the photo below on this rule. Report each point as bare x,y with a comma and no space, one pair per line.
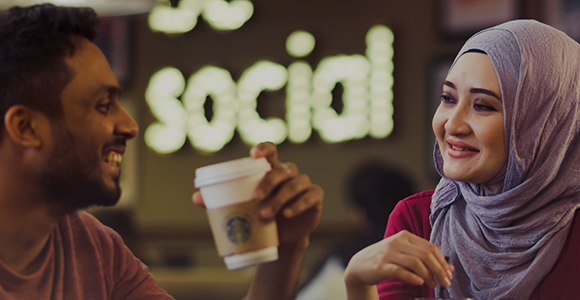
299,87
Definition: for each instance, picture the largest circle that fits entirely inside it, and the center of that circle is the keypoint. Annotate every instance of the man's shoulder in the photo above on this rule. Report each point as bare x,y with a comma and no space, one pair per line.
86,220
83,216
81,225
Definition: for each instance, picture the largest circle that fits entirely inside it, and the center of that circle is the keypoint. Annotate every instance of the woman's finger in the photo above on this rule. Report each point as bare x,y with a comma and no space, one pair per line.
437,254
384,260
416,265
393,270
432,259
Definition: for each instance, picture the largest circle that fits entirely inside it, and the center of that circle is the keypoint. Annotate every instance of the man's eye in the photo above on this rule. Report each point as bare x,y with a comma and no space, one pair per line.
104,108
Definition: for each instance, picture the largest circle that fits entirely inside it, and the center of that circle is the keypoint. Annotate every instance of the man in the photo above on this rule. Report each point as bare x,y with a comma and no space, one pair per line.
63,136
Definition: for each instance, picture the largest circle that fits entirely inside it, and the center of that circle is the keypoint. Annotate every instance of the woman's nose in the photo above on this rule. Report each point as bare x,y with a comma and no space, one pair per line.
457,123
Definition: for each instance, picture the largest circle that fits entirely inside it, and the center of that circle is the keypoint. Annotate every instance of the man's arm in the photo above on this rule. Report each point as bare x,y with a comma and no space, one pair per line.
296,204
279,279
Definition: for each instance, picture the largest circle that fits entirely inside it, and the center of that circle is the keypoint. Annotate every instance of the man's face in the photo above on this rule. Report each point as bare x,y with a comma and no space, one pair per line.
88,141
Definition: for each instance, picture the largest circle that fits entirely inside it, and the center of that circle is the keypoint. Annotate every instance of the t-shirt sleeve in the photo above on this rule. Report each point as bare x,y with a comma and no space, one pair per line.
411,214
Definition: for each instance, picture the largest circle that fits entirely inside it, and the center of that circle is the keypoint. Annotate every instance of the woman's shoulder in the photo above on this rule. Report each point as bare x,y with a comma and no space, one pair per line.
412,214
422,198
417,205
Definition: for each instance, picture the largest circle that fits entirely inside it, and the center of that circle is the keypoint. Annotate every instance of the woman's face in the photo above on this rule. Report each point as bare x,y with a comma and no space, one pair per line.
468,123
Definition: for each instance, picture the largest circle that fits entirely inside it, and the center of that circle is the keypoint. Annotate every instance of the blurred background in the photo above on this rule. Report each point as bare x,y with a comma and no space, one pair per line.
336,84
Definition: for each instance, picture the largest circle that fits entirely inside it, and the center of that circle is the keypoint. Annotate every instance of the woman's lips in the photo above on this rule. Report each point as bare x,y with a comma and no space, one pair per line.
460,149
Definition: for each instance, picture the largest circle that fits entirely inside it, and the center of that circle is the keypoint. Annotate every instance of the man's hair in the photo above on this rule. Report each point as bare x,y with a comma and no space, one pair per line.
34,42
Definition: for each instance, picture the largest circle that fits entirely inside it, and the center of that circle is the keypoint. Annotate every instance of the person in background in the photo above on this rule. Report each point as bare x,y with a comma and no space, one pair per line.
63,134
504,213
373,190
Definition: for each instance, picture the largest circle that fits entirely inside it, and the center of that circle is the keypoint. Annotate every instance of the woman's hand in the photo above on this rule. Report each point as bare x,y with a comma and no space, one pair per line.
404,256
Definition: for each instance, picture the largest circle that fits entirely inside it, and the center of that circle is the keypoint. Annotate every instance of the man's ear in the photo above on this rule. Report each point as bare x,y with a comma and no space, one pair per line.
22,125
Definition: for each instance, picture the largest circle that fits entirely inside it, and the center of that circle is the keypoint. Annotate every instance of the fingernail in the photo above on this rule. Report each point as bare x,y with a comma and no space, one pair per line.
266,212
447,282
288,212
253,150
449,274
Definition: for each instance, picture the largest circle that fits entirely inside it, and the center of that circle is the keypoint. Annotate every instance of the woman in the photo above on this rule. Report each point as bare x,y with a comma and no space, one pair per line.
508,150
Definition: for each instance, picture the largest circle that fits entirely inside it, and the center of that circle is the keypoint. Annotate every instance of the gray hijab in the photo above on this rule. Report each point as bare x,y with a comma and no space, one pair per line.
503,244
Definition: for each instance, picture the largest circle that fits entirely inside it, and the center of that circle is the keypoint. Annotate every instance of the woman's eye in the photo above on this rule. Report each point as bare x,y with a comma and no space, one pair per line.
446,99
482,107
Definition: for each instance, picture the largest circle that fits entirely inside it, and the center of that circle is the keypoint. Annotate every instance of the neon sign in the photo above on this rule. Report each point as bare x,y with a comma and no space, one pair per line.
221,15
367,99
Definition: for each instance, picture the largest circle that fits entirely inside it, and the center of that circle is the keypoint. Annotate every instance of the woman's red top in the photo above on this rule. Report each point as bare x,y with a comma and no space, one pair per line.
412,214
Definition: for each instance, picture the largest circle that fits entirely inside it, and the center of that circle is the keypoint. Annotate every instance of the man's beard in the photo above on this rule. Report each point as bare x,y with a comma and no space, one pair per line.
71,179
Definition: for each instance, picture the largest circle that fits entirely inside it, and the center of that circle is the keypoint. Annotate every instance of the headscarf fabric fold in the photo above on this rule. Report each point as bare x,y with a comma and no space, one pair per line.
503,244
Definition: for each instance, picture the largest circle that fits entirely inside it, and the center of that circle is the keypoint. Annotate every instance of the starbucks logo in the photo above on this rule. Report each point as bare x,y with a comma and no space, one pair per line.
238,229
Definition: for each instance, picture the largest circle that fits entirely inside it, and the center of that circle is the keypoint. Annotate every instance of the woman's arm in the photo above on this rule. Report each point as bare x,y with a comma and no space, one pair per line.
404,256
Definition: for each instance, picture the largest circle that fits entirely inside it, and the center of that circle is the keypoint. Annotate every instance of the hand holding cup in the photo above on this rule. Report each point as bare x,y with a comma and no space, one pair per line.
282,195
289,197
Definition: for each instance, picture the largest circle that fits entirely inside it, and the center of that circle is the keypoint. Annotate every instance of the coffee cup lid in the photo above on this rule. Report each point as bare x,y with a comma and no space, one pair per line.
229,170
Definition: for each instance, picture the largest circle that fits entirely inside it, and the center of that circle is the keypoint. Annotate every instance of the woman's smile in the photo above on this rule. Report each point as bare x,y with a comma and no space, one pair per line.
459,149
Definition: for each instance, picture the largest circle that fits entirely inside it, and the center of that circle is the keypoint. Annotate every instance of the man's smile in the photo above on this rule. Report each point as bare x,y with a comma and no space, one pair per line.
114,158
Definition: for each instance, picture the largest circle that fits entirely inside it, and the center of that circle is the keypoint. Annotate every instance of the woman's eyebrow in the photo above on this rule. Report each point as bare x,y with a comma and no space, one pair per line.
484,91
473,90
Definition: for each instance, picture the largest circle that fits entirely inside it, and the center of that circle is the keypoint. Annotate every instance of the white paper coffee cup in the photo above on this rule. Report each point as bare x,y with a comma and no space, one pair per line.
242,237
